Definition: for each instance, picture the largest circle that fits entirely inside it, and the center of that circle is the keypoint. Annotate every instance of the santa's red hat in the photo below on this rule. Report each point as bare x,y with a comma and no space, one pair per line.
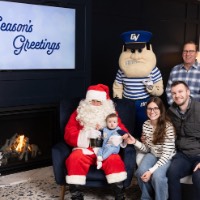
98,92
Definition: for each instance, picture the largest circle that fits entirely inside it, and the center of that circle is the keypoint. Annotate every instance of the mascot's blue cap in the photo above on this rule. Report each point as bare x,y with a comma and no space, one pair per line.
136,37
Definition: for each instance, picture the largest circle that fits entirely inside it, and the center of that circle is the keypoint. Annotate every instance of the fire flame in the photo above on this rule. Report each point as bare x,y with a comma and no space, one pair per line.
18,146
20,143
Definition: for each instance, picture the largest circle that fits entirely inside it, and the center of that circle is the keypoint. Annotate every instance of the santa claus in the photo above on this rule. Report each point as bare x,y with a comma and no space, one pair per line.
84,124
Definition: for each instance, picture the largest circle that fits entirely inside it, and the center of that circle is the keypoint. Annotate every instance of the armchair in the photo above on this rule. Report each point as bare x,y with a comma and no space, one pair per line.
95,178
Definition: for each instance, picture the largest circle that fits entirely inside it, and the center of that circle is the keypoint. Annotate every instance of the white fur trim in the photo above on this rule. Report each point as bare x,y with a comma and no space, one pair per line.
99,158
123,144
76,179
85,151
116,177
96,95
96,149
99,164
83,140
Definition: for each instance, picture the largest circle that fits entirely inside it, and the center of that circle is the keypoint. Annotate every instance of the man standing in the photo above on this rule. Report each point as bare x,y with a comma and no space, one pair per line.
188,71
184,114
85,123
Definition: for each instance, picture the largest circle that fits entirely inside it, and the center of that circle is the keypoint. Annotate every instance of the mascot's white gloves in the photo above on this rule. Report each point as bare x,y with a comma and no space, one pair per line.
155,89
93,134
149,84
117,90
115,140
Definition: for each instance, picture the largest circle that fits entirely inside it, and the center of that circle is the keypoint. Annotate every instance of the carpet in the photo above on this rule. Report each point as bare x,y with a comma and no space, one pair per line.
39,184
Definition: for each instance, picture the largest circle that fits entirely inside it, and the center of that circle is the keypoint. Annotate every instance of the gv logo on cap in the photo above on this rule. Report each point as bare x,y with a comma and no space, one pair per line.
134,36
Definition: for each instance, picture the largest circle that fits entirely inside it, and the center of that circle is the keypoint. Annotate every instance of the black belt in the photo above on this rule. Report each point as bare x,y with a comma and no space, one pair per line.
96,142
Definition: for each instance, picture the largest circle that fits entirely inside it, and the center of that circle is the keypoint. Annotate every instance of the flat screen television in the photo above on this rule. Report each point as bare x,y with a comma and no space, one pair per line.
38,35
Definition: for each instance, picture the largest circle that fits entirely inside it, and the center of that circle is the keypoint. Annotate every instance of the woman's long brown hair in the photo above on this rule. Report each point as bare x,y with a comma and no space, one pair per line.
160,131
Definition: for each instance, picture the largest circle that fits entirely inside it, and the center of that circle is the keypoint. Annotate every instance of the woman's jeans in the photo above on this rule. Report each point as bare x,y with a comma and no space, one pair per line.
157,187
180,167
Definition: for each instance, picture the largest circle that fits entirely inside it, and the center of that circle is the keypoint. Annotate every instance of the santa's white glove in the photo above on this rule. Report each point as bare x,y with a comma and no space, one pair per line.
93,134
148,83
115,140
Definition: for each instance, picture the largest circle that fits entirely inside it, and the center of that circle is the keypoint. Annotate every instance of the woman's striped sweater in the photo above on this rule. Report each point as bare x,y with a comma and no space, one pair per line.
163,151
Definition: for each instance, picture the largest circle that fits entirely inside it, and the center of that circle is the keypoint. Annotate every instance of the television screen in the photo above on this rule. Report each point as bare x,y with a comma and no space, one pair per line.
36,36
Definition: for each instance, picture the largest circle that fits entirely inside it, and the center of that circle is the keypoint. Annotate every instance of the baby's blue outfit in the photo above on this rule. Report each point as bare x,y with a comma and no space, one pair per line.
107,149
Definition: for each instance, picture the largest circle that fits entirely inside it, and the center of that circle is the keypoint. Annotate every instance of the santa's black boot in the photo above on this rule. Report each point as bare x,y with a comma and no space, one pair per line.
118,189
75,192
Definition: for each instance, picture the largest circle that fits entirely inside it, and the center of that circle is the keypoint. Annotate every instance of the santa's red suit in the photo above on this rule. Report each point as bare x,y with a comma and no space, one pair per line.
77,134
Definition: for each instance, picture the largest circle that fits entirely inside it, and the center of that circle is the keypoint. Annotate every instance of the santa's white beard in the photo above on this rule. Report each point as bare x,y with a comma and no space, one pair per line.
89,115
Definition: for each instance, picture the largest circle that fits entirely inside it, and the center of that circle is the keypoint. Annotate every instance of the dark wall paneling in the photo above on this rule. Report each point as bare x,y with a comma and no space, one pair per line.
191,32
16,91
162,9
192,12
74,87
42,90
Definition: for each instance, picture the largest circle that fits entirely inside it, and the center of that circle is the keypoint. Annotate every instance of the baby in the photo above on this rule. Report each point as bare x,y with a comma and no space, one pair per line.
112,139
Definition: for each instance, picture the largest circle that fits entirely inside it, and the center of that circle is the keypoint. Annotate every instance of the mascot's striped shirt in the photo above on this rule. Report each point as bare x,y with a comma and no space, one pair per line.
134,88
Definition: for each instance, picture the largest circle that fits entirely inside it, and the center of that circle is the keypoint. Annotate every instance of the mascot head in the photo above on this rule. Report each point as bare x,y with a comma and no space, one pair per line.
137,58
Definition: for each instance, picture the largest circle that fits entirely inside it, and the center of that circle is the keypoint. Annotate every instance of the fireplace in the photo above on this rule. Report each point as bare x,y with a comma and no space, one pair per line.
27,134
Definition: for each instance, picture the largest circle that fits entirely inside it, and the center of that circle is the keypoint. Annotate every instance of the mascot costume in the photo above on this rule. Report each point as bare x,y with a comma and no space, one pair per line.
137,78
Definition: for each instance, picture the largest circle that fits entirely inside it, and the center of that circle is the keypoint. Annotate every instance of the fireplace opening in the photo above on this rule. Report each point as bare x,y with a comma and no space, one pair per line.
27,134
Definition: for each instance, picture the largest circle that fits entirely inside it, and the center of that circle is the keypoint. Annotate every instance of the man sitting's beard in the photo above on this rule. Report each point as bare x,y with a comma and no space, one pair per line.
89,115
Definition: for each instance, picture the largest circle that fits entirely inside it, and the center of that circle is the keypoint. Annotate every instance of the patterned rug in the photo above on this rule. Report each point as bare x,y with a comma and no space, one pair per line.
45,188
